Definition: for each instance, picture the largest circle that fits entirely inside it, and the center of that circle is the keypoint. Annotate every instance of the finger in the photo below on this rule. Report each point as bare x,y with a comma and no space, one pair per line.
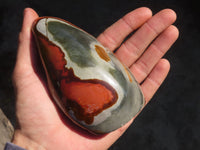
156,50
113,36
132,49
23,62
155,79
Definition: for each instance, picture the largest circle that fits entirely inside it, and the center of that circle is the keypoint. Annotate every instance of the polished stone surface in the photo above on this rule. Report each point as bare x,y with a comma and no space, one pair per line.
86,80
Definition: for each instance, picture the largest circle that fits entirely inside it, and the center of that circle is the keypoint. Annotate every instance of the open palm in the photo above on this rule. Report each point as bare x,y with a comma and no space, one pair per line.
42,125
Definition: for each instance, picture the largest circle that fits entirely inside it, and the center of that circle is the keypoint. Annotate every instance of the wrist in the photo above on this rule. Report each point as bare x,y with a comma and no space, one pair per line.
25,142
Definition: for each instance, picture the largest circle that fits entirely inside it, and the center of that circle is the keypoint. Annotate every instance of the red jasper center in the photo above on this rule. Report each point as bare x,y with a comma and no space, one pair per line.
87,99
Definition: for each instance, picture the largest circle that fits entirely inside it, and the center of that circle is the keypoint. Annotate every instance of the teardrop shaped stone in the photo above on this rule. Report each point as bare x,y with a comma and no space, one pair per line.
86,80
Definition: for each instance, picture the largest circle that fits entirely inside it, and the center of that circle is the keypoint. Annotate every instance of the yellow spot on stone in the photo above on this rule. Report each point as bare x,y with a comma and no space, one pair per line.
128,73
102,53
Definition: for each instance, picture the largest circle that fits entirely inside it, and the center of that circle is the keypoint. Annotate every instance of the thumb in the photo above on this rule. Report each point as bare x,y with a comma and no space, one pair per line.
23,65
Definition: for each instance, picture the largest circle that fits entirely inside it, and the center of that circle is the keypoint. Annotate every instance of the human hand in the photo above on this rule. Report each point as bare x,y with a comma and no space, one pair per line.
41,125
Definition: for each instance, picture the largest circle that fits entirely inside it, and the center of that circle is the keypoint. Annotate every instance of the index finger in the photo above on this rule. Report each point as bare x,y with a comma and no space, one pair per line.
113,36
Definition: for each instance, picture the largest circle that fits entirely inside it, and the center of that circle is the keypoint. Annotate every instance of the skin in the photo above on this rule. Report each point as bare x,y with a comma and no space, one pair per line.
41,125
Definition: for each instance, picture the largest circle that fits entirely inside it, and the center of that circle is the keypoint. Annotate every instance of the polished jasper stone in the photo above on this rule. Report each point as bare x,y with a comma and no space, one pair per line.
86,80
